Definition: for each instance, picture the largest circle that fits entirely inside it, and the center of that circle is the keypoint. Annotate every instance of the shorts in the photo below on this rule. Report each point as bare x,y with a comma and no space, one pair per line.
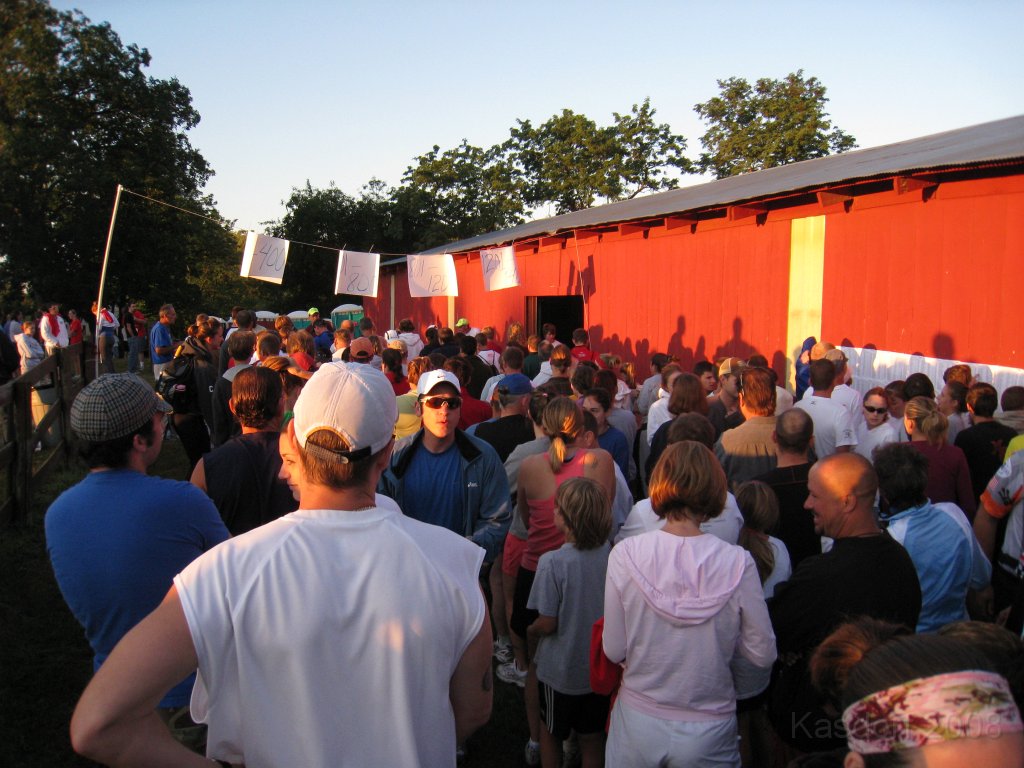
512,557
522,617
563,712
637,740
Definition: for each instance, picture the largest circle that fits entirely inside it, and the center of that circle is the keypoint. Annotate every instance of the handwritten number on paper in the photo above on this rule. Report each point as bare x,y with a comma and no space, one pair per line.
271,252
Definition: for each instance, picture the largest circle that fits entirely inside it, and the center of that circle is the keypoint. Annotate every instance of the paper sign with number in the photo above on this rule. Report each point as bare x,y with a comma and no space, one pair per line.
264,257
499,267
432,275
357,273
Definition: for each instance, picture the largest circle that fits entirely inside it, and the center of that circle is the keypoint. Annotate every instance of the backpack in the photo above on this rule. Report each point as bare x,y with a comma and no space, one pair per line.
177,385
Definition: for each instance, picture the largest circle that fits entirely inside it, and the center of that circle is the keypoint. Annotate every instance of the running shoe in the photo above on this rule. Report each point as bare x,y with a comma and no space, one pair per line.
532,753
510,673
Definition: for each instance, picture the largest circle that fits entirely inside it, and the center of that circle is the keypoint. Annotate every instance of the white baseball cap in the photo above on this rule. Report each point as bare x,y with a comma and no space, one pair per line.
354,401
431,379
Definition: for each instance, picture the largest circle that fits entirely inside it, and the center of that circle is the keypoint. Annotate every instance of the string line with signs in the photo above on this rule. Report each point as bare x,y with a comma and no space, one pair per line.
265,257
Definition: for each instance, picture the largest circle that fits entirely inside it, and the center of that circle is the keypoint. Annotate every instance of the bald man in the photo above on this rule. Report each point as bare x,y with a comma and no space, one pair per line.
866,573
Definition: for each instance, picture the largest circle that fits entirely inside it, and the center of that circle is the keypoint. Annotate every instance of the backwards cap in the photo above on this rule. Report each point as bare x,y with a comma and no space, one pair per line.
353,401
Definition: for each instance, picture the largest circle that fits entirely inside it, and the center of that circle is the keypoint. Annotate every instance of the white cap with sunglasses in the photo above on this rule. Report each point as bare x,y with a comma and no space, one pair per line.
431,379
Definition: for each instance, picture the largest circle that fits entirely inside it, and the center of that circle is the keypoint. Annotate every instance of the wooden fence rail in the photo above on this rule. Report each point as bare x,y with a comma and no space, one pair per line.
59,378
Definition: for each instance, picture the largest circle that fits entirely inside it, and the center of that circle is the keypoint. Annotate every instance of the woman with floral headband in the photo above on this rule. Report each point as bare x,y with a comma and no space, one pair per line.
927,701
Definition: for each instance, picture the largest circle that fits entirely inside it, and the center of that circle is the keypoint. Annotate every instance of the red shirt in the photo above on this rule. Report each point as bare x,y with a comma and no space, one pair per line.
583,353
400,387
473,411
304,361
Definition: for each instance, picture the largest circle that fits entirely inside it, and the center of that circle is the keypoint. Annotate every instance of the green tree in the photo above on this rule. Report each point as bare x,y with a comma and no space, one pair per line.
646,153
566,161
771,123
318,222
78,116
468,189
572,162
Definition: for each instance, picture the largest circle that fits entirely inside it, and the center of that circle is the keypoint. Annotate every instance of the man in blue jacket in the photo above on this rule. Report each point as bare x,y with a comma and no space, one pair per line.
444,476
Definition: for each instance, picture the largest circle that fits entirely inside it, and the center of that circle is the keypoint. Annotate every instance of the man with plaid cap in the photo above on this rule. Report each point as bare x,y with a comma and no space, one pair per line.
117,538
343,633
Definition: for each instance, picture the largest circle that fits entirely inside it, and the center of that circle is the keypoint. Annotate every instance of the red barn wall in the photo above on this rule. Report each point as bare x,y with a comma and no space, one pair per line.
937,276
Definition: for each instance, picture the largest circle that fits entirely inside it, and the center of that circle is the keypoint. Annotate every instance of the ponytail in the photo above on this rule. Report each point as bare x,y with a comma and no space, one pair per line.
556,453
562,421
927,419
760,509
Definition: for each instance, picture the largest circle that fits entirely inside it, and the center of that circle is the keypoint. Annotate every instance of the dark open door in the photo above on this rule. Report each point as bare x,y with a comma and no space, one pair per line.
566,312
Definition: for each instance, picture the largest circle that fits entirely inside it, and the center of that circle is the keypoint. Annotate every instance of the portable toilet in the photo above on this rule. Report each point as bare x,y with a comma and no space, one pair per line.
352,312
265,315
299,318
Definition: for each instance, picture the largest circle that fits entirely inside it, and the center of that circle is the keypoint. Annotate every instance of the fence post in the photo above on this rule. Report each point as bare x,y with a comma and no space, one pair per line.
65,380
23,451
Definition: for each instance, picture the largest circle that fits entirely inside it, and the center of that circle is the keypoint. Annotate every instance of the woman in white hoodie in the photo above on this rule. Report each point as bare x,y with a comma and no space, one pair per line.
678,606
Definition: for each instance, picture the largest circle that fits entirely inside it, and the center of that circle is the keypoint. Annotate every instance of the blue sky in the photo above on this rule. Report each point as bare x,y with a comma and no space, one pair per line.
350,90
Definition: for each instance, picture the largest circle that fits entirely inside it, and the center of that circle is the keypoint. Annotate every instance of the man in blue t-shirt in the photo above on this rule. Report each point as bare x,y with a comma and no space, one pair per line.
117,539
446,477
161,344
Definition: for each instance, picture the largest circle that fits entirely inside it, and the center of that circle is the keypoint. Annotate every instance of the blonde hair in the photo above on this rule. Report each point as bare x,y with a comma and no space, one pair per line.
587,511
927,418
562,422
560,358
687,479
628,372
760,508
515,333
417,367
401,346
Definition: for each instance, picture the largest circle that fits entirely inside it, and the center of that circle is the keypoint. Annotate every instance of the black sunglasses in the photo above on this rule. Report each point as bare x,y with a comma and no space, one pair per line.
437,403
872,409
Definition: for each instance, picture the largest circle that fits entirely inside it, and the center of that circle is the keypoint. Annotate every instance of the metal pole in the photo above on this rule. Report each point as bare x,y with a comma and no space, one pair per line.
103,276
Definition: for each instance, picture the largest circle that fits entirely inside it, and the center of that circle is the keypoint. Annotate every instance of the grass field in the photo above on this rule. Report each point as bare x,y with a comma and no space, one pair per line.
45,661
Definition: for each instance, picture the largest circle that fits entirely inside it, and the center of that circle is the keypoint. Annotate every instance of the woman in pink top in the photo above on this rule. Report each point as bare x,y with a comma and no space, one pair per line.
539,478
679,605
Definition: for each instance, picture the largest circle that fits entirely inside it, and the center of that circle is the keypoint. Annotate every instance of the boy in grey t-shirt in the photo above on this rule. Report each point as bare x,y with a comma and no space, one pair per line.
568,593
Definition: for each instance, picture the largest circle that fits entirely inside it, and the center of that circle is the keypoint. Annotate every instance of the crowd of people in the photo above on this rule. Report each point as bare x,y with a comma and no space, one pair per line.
688,568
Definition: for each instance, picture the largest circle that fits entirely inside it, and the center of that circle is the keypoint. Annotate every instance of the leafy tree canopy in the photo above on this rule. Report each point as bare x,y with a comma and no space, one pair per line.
771,123
78,116
571,162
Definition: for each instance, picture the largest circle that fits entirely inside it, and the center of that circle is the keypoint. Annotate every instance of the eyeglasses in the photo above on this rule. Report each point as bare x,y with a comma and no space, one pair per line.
436,403
872,409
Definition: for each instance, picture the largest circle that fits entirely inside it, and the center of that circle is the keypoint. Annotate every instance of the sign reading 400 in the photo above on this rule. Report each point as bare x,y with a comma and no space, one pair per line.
264,257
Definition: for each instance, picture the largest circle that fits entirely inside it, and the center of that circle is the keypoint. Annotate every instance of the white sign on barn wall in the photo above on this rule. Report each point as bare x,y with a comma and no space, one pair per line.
499,268
432,275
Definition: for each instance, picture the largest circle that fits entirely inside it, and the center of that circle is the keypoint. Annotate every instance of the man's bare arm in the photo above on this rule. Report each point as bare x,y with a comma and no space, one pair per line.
115,722
471,684
985,529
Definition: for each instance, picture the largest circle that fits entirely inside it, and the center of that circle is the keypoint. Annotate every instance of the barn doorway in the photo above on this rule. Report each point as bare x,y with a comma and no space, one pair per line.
566,312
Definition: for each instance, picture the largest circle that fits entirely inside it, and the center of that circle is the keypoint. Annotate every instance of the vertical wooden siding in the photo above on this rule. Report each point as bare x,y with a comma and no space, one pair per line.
940,278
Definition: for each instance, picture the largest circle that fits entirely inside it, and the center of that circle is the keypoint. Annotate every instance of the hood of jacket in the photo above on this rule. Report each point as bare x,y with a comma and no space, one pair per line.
193,346
411,338
686,580
1012,419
